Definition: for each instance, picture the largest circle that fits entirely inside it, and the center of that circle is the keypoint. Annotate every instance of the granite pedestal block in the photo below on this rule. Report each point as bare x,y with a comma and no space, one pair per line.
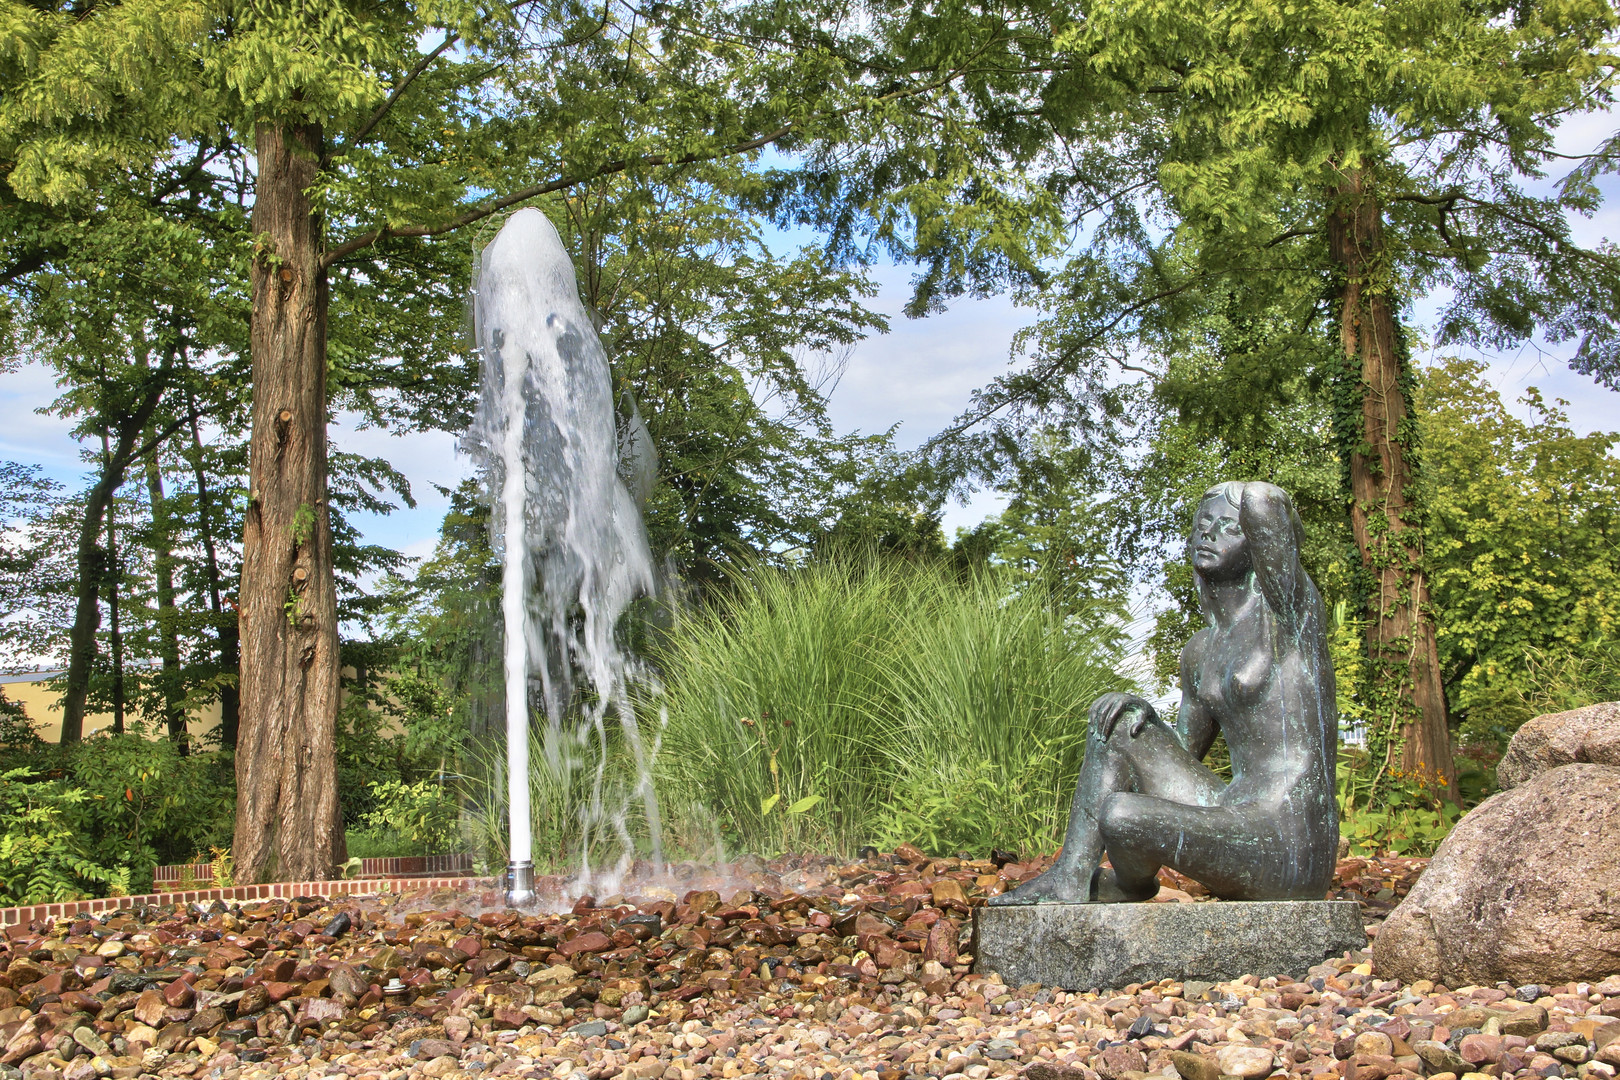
1081,947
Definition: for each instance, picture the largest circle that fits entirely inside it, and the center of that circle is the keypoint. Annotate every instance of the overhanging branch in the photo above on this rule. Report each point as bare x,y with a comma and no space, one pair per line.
460,221
495,206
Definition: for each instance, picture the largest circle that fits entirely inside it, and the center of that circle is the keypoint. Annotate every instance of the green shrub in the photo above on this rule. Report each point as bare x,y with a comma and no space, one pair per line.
424,816
150,805
44,853
585,799
1386,811
1558,680
128,802
972,806
779,694
825,708
833,705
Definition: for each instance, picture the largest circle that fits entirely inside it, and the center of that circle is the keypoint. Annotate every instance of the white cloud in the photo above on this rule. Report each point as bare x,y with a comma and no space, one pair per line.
922,373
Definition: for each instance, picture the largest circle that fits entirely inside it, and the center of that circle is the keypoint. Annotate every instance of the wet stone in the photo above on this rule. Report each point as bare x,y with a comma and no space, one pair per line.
591,942
92,1042
346,981
1439,1057
149,1008
177,993
254,1000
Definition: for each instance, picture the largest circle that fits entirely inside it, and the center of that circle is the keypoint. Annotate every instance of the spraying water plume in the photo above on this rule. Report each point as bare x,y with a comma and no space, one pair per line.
564,473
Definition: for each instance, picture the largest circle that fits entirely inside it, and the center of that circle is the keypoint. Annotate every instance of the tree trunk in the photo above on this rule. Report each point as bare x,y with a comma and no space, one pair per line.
91,566
174,714
226,629
114,579
1404,662
286,768
92,560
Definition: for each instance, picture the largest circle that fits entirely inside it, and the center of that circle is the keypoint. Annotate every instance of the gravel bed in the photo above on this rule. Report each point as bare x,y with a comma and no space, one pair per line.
801,967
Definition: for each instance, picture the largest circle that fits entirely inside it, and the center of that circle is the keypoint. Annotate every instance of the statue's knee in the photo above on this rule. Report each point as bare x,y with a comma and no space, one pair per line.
1115,817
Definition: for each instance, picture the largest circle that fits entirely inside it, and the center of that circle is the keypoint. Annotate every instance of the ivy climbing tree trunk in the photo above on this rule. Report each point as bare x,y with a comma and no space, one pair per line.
285,764
1403,660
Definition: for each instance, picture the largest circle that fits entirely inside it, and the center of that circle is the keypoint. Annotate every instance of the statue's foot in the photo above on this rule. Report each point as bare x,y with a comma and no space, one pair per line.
1059,885
1107,889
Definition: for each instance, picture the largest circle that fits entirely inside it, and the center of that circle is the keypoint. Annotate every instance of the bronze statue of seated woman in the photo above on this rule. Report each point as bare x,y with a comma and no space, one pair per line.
1260,674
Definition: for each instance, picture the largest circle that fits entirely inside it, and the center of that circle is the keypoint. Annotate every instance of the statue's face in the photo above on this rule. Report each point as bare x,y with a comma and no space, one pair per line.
1220,551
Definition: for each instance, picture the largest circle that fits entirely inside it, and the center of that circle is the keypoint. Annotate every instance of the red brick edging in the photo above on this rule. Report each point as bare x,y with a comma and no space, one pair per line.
396,866
21,916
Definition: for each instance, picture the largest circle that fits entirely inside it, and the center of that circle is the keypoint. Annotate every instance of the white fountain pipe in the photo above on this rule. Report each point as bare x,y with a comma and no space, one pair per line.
514,582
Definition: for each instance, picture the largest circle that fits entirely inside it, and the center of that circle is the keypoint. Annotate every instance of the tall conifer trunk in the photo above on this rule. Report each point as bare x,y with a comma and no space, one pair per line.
91,566
286,772
114,581
1400,632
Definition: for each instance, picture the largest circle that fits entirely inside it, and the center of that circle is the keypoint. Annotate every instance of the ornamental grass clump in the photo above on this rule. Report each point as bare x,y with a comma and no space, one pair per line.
859,701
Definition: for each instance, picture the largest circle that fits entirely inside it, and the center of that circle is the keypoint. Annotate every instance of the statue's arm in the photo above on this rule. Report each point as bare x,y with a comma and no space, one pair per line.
1195,724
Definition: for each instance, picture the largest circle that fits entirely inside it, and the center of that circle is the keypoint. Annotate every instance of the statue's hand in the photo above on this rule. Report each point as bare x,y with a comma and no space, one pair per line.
1107,710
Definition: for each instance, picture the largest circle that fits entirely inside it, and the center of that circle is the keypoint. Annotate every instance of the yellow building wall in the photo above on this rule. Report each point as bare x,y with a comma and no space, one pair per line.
35,694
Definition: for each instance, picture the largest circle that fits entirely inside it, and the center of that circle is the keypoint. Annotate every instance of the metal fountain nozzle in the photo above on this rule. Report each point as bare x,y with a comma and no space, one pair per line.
520,884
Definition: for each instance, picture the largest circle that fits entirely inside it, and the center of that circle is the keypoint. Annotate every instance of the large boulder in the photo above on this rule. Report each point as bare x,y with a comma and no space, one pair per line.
1591,735
1525,889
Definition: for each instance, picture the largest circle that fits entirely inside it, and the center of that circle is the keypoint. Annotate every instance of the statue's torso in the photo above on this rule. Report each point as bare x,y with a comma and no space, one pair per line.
1268,705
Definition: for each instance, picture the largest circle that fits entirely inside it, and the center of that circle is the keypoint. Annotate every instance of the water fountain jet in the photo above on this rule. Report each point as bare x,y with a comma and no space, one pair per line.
564,471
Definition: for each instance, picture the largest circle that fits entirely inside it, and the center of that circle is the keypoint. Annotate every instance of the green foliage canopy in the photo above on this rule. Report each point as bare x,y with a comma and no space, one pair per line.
1524,541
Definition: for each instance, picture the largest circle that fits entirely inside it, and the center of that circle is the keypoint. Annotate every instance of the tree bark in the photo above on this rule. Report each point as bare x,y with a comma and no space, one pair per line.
286,768
92,558
1401,631
114,578
91,565
174,714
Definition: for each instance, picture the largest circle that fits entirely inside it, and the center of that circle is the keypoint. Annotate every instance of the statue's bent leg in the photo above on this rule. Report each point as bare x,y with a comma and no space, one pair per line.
1151,760
1238,852
1103,771
1166,774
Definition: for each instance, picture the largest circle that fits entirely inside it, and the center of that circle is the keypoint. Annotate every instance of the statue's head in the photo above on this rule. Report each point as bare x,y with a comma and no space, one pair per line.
1249,534
1217,547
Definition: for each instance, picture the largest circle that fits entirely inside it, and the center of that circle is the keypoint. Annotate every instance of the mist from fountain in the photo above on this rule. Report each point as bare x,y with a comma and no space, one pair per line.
565,472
